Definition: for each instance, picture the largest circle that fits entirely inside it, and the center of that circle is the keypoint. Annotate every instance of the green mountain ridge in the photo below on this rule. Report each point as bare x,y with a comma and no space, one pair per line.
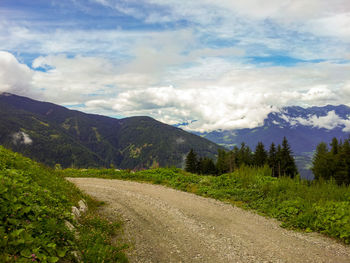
53,134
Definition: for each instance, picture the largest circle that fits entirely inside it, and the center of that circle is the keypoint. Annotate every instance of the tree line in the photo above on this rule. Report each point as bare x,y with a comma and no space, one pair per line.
279,159
333,163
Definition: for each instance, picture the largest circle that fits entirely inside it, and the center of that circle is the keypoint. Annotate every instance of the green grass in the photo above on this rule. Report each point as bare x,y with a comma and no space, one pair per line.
310,206
34,204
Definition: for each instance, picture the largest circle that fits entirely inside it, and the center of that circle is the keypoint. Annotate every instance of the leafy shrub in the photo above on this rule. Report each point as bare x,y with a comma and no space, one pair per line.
34,203
31,216
96,238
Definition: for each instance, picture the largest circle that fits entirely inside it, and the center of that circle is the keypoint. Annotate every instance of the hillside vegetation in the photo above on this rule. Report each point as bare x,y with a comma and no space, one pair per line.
34,204
310,206
293,123
52,134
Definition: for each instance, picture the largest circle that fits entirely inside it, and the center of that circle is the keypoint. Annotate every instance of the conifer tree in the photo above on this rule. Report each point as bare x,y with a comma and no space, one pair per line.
335,146
333,164
235,155
279,160
260,155
244,155
321,163
340,161
191,162
272,160
346,157
207,166
200,165
222,163
288,167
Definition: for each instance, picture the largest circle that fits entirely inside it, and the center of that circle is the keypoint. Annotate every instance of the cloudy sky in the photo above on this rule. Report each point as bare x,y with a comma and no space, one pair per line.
215,64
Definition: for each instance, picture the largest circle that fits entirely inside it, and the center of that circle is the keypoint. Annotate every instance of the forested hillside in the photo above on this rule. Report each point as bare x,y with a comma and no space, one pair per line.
52,134
305,128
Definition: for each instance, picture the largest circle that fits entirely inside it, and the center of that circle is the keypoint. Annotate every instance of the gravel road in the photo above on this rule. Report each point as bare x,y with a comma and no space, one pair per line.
166,225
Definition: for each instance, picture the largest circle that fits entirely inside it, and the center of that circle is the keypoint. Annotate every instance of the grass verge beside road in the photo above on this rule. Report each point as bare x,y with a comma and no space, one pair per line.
309,206
35,202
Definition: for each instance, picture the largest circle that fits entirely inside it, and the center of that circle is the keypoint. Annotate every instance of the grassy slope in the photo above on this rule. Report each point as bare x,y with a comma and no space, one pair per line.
311,206
34,203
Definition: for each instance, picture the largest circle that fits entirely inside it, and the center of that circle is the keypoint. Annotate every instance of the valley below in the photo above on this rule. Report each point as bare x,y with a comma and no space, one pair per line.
167,225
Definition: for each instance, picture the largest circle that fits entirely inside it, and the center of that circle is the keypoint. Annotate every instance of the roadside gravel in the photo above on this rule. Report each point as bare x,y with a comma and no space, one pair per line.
166,225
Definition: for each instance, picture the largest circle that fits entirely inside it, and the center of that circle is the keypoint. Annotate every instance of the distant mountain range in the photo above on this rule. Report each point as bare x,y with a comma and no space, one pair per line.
53,134
304,128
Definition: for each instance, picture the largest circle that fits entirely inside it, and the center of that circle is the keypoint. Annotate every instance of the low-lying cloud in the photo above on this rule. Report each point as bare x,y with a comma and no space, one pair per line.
214,93
21,138
330,121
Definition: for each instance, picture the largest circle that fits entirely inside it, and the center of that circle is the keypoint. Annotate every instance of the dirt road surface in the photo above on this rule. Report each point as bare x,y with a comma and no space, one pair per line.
166,225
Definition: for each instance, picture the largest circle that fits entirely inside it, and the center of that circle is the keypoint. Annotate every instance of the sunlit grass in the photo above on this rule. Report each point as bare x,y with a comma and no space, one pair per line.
311,206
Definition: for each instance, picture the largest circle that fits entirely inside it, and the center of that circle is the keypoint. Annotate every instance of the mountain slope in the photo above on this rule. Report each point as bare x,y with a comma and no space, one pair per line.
53,134
304,129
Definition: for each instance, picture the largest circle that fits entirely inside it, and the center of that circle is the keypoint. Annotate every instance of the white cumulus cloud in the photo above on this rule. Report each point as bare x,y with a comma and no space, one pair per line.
14,76
217,94
330,121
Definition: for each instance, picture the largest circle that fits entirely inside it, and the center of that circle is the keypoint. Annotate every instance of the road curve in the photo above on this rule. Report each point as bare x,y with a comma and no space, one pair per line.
166,225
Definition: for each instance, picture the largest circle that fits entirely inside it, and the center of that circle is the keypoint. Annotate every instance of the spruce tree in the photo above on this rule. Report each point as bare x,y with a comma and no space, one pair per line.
288,166
272,160
321,163
346,156
200,166
260,155
340,162
222,164
191,162
333,164
208,166
244,155
279,160
334,146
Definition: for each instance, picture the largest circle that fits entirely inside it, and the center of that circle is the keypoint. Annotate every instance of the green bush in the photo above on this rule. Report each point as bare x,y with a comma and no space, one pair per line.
34,204
96,239
31,216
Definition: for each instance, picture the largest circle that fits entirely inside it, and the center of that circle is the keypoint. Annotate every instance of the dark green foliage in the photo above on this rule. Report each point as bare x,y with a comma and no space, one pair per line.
228,161
288,167
75,139
333,164
244,156
335,146
222,164
192,162
34,204
260,155
281,161
312,206
33,208
207,166
322,163
272,160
